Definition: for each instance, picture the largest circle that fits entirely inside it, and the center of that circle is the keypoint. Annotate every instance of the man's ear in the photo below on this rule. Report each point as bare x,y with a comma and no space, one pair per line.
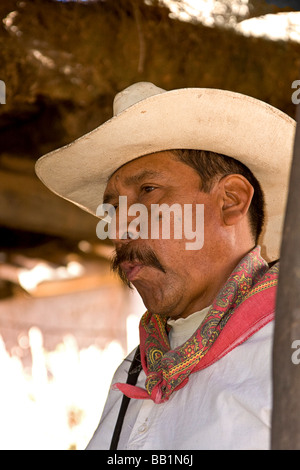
236,195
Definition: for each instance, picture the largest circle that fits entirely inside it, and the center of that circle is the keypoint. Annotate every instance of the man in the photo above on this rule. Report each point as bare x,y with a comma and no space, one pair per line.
206,338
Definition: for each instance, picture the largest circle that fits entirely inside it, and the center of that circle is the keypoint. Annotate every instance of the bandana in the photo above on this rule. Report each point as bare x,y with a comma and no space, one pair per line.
244,305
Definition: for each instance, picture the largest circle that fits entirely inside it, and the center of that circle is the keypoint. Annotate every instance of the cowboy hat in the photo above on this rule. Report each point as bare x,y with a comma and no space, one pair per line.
148,119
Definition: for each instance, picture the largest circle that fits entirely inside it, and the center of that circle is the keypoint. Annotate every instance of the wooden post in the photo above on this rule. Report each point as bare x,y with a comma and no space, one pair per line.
286,360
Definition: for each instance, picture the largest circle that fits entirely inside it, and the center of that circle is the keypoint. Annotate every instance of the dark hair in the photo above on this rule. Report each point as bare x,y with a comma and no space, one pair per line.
211,165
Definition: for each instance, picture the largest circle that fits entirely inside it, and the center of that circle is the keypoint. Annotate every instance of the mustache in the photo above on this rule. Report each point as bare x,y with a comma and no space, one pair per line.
131,253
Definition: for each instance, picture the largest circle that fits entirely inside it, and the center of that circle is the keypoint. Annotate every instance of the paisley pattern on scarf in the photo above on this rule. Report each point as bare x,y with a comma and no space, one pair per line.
168,370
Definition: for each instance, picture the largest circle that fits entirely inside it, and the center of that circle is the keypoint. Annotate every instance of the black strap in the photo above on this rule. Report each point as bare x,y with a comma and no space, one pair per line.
133,374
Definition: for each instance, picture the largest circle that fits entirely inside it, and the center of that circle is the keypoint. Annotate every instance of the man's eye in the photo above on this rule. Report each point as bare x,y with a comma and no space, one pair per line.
148,189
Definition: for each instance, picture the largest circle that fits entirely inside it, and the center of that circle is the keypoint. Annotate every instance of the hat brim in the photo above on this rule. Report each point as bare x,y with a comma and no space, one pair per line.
242,127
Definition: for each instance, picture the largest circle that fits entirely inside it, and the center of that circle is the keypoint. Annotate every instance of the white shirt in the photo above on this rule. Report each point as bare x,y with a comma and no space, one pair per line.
183,328
225,406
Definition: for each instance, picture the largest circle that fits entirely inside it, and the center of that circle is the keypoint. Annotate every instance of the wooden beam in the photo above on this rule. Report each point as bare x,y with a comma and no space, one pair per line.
26,204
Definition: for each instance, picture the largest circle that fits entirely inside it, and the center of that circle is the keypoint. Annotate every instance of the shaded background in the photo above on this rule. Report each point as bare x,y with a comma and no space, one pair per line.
65,320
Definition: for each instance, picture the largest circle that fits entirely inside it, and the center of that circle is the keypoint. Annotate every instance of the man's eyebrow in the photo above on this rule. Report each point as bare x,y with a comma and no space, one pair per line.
134,179
139,177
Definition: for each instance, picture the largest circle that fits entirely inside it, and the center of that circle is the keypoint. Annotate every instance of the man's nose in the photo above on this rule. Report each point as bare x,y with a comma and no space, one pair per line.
125,230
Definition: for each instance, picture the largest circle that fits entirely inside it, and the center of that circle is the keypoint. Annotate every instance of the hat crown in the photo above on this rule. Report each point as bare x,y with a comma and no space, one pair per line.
133,94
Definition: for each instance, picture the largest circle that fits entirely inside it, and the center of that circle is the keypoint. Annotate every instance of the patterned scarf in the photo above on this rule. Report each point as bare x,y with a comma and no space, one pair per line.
247,299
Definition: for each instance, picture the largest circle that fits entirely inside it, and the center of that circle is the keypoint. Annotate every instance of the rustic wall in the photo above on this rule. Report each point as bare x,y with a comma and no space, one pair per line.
63,63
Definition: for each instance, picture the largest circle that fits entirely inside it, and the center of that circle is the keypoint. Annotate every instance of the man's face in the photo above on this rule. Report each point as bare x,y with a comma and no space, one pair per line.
172,280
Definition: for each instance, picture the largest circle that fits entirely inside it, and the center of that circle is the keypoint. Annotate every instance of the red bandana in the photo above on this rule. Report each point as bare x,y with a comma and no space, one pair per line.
247,300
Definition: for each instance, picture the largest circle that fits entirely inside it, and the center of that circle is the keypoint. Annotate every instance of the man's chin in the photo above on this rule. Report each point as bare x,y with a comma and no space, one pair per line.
154,305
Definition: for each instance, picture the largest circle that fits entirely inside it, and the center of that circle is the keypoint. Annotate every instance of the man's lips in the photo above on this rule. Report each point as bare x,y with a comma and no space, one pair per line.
131,269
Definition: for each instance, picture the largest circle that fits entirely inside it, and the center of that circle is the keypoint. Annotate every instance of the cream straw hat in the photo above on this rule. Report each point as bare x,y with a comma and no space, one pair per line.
149,119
